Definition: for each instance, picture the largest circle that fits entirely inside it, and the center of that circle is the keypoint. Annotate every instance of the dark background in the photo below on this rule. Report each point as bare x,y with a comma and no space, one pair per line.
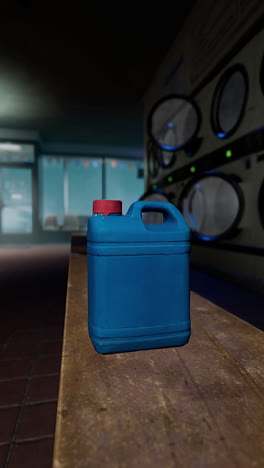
76,66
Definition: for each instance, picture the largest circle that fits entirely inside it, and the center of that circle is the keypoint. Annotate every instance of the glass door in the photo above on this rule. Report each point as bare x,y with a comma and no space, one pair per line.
15,200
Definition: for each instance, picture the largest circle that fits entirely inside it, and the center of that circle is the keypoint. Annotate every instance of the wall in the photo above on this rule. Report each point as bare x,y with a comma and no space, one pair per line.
115,132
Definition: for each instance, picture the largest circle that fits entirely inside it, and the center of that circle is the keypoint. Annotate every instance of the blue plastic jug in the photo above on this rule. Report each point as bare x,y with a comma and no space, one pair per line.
138,279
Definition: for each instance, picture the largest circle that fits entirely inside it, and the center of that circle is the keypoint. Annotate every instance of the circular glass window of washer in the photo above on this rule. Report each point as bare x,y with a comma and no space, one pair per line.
154,217
229,101
152,158
212,206
167,158
173,122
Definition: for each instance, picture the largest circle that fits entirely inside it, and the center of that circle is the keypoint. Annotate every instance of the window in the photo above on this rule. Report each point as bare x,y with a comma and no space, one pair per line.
16,153
16,191
51,177
15,201
124,181
83,184
68,186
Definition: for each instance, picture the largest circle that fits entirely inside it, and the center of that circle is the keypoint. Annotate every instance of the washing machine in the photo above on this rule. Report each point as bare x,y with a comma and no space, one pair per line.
218,178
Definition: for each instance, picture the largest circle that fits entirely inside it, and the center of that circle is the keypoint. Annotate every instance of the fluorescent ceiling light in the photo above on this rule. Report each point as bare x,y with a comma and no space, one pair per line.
10,147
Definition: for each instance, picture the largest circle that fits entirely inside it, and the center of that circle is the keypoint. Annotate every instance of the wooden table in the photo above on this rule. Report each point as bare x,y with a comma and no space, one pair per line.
201,405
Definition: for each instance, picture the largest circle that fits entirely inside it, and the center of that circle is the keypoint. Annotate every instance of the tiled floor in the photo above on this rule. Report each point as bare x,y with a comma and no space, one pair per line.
33,290
29,382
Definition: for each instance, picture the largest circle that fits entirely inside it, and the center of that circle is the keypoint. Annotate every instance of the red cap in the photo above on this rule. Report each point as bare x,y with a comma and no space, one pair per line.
106,207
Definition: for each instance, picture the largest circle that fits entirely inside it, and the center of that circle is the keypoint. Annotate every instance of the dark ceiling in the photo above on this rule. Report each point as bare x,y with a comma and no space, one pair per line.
87,53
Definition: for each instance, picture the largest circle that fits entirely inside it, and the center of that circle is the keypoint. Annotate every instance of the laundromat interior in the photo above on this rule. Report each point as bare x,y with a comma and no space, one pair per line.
116,103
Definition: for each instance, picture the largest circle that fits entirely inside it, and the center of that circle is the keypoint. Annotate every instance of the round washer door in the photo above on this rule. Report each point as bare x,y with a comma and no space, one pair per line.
212,205
167,158
152,159
229,101
173,121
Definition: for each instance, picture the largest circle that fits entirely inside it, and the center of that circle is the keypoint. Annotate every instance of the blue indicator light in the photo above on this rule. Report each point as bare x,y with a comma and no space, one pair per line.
208,238
168,148
198,186
170,124
221,135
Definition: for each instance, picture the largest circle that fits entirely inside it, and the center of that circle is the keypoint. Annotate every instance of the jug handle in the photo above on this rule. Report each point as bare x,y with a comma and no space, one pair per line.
169,211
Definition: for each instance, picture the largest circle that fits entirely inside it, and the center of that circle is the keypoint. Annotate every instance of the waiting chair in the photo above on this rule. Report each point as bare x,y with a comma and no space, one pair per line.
51,223
71,223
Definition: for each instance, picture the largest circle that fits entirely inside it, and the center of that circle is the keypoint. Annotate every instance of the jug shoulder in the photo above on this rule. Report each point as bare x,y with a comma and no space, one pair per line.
130,228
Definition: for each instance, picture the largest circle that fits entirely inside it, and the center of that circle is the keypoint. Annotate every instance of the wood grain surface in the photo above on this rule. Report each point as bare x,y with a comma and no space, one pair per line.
200,405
